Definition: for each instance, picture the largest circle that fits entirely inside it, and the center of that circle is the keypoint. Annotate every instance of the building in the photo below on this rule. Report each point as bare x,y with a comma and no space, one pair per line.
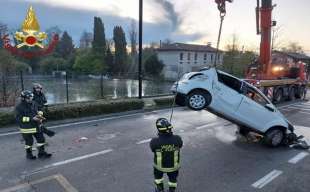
86,40
180,58
294,57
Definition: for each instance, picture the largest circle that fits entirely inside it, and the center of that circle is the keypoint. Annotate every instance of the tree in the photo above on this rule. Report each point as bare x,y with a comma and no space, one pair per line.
99,42
52,63
120,49
51,31
88,62
109,60
65,46
3,31
231,54
236,60
293,47
133,45
9,66
99,45
153,66
276,39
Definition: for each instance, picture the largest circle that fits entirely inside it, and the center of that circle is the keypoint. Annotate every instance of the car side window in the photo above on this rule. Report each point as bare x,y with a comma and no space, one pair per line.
255,96
231,82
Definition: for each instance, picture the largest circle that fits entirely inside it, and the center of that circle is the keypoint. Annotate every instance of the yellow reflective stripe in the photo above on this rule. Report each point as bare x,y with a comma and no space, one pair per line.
26,119
159,158
176,158
162,129
27,146
167,170
40,144
171,184
159,181
31,130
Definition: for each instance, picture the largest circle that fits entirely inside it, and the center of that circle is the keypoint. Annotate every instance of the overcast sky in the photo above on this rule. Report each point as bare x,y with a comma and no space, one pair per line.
188,21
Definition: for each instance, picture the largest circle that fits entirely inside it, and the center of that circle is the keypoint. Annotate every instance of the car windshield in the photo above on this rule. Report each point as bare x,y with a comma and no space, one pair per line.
185,76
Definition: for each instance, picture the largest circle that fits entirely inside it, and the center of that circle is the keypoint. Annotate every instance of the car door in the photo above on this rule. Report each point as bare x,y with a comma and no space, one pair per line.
253,111
227,95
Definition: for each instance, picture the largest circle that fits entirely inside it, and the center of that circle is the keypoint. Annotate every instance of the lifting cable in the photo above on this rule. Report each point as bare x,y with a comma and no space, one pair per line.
221,5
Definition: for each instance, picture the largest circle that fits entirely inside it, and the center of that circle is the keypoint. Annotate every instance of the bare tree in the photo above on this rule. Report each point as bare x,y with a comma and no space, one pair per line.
276,39
293,47
133,45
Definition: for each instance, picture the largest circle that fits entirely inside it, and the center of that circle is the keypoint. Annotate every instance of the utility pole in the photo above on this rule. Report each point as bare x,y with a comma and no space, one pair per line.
140,46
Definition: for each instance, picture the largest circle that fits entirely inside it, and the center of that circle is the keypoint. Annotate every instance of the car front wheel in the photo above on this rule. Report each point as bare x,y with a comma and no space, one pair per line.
274,137
198,100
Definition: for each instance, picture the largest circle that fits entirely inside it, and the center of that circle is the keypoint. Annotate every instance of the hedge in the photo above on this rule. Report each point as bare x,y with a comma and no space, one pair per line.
164,101
82,109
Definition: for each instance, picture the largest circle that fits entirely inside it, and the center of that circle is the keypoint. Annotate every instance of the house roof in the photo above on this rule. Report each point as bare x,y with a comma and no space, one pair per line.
294,55
186,47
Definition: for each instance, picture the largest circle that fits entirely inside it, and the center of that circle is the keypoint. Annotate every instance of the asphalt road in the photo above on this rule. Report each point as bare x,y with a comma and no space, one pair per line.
113,154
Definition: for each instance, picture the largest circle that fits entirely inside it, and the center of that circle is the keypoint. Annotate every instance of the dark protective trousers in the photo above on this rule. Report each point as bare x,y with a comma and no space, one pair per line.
159,179
29,139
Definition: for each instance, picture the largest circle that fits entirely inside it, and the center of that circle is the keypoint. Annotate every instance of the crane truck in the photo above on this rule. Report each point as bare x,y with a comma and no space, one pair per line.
277,75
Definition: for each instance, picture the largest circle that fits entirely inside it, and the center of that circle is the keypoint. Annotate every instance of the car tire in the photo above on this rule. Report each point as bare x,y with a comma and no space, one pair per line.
300,93
278,96
274,137
198,100
291,96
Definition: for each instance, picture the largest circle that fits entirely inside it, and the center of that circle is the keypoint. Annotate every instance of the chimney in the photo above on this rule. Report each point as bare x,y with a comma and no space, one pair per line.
209,44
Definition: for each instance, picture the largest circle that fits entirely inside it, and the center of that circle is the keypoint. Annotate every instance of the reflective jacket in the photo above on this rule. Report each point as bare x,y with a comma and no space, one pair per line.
24,117
166,149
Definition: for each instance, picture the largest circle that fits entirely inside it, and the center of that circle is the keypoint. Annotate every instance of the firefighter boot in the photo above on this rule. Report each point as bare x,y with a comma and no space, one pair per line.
172,189
29,154
43,154
159,188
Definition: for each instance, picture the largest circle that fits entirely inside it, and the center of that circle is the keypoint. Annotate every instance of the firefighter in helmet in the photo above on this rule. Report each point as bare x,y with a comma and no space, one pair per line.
166,148
28,119
38,96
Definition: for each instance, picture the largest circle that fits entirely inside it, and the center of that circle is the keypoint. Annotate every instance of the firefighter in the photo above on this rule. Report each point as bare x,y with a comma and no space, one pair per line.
28,120
38,96
166,148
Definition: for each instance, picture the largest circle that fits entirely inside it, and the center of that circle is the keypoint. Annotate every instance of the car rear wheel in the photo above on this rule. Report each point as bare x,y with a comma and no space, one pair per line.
291,96
278,96
274,137
300,93
198,100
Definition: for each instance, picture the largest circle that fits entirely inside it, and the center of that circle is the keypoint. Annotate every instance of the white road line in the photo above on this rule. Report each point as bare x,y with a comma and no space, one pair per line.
90,121
286,105
298,157
143,141
299,108
70,161
289,110
266,179
208,125
302,105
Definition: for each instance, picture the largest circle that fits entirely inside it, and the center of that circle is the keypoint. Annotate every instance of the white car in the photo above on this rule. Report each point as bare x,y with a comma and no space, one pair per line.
235,100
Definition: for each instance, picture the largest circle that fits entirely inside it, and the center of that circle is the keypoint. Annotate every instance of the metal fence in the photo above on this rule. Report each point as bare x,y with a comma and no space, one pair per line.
67,87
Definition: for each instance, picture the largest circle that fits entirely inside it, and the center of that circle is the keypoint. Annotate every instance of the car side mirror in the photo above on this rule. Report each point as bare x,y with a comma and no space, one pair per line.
270,107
